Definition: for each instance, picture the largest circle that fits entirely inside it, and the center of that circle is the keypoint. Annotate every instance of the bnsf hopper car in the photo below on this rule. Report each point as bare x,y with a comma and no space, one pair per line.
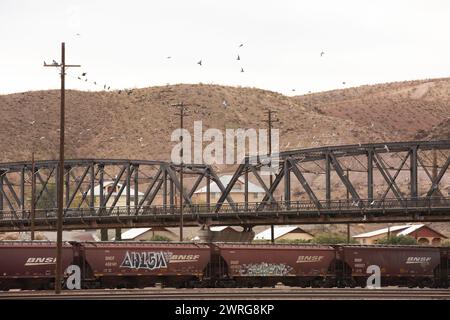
31,265
399,265
266,265
138,264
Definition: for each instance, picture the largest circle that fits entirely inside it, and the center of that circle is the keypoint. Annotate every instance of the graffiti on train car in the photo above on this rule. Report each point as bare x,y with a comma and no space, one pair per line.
265,269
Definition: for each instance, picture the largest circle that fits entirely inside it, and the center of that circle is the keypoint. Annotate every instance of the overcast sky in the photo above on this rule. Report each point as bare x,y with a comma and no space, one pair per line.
126,43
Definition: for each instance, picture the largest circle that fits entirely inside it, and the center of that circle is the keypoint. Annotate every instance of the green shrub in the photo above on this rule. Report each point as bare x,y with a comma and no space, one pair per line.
160,238
293,241
445,243
331,238
402,240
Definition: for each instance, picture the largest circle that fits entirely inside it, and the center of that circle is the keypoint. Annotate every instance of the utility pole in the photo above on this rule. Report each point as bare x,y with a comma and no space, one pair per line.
33,194
63,66
269,122
181,112
348,201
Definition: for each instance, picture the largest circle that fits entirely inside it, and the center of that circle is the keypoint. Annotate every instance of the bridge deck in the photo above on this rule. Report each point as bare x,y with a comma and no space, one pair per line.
247,214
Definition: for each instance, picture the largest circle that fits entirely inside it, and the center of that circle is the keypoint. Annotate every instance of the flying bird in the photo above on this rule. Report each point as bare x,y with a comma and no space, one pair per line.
85,80
84,74
343,82
293,89
241,45
322,53
79,78
109,87
95,83
168,57
224,103
104,87
200,62
32,122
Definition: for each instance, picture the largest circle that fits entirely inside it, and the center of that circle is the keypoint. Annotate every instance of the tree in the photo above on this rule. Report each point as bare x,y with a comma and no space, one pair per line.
48,197
158,237
399,240
294,241
331,238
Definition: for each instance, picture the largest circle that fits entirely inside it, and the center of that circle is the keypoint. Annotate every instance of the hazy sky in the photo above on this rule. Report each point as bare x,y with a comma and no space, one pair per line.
126,43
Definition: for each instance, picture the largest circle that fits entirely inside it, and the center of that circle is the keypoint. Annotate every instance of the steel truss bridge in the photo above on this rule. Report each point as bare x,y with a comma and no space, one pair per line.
380,182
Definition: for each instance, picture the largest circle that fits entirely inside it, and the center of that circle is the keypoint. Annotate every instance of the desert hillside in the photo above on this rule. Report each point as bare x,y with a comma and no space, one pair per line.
138,124
407,110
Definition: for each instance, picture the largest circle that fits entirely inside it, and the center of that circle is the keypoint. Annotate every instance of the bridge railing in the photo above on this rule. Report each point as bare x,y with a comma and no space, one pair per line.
330,206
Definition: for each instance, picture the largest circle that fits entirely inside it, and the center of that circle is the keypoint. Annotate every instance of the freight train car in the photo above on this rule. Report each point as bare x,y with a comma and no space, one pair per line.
266,264
31,265
399,265
140,264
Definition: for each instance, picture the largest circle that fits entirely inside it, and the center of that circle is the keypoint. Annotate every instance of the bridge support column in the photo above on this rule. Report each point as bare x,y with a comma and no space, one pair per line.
348,232
118,234
67,185
104,234
272,233
328,179
287,183
208,190
1,194
413,173
370,176
136,186
22,192
92,186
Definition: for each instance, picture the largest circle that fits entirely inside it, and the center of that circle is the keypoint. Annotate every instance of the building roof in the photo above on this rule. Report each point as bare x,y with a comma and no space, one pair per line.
225,179
109,183
404,230
220,228
382,231
133,233
279,231
73,235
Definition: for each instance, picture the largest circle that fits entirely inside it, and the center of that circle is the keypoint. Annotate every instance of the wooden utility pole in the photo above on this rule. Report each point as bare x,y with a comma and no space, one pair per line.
181,112
348,201
269,123
63,66
33,194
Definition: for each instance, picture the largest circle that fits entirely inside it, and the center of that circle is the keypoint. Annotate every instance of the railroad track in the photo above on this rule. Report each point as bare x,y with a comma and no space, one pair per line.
235,294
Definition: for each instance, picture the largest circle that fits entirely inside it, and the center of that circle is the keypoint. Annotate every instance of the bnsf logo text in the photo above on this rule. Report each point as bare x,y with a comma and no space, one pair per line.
411,260
40,261
184,257
305,259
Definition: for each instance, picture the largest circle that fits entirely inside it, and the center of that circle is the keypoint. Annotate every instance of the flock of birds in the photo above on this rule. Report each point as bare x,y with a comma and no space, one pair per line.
83,75
200,62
